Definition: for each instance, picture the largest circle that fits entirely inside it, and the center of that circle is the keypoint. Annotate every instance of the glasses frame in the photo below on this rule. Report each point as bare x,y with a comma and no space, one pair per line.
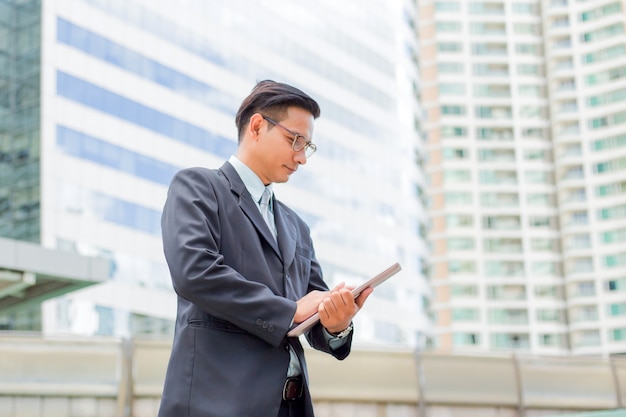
297,139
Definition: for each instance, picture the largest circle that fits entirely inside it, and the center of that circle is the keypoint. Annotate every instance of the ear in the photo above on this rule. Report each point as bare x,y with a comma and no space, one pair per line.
254,127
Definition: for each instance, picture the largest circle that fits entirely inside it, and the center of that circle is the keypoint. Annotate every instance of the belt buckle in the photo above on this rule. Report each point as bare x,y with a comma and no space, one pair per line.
292,390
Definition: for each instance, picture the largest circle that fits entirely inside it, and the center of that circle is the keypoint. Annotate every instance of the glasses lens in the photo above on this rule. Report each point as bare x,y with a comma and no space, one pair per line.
299,143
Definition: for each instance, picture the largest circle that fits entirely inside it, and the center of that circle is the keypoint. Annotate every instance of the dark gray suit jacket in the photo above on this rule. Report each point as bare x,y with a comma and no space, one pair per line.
237,290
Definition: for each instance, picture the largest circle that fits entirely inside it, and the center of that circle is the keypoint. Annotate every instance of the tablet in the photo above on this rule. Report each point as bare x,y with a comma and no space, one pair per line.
377,280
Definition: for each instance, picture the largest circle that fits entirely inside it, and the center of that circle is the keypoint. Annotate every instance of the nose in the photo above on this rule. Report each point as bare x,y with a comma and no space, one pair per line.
300,157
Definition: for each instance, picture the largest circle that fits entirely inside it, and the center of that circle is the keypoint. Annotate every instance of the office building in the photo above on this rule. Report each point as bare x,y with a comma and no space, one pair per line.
527,161
102,101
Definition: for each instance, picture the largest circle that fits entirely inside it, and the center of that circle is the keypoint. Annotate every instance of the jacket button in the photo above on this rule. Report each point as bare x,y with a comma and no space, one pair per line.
270,328
265,325
259,322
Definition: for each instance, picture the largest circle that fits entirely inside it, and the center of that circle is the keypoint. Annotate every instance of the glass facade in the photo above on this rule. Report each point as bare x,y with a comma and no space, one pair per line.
102,101
20,49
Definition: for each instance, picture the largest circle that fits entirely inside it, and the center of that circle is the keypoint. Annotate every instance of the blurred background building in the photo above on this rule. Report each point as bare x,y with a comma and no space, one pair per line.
523,229
527,161
102,101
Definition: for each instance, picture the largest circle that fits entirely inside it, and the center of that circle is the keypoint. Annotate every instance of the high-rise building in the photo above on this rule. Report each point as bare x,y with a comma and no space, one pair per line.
102,101
527,161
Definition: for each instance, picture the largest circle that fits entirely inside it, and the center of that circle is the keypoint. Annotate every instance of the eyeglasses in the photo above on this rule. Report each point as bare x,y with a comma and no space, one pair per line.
298,142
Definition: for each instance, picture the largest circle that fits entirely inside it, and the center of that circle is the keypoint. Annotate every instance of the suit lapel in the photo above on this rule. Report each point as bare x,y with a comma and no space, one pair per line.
249,206
286,235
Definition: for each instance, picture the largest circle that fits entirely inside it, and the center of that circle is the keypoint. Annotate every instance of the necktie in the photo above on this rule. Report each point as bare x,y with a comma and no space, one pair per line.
266,212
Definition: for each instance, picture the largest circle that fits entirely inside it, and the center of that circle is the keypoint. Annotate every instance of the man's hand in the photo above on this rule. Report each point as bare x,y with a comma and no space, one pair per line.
309,305
339,307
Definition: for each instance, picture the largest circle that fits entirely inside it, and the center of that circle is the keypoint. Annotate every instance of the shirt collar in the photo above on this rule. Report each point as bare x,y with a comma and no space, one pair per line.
253,183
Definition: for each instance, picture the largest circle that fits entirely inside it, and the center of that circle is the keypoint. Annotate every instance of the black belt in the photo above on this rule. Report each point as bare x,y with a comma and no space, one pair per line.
292,390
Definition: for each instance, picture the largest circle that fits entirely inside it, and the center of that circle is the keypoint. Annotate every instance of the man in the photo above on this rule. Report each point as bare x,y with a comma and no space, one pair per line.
244,268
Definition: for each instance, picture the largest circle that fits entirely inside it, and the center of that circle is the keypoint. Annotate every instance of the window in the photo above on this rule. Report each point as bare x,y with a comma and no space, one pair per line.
529,69
525,8
459,267
510,341
501,222
450,67
531,91
455,176
455,153
615,261
497,177
453,110
611,142
504,269
529,49
586,338
537,155
541,222
549,292
461,243
585,289
465,314
545,268
449,47
615,285
493,112
605,54
539,199
491,70
502,245
506,292
534,133
618,335
584,313
550,315
611,189
496,155
527,29
492,90
544,245
499,199
459,220
494,133
569,128
615,212
582,265
578,241
609,9
537,177
617,309
458,198
463,291
447,6
614,96
548,339
533,112
465,339
486,8
452,89
453,131
448,27
614,165
603,33
488,28
606,76
489,49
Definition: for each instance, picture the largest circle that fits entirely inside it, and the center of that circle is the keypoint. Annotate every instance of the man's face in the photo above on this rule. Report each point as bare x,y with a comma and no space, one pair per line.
276,158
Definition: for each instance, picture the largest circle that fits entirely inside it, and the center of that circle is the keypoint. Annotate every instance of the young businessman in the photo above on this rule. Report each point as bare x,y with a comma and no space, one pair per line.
244,269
